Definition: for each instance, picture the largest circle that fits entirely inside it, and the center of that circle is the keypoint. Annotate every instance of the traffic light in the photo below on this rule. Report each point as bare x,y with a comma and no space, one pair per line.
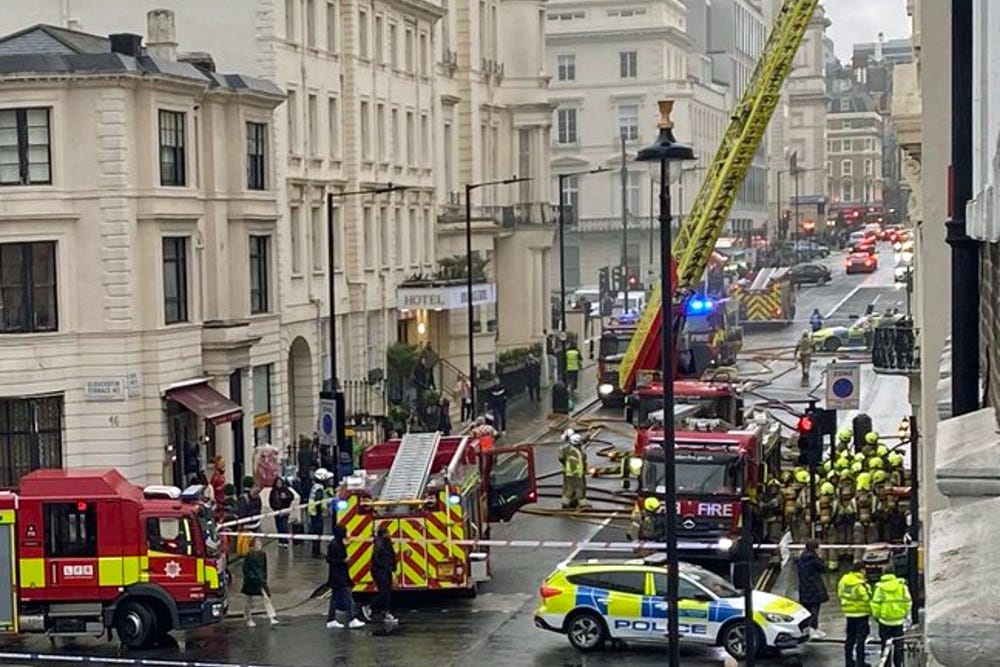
603,281
633,280
810,438
616,277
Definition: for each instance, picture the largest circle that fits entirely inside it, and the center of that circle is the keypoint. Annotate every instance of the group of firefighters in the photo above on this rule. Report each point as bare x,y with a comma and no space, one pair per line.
855,494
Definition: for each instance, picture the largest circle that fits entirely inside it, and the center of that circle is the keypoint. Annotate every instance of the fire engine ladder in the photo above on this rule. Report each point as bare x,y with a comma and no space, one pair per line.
698,235
411,467
766,276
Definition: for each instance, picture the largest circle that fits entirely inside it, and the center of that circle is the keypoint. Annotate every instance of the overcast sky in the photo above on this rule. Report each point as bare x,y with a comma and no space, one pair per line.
854,21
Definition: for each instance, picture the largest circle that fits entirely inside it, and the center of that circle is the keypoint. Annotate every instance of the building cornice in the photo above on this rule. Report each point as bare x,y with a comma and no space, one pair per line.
420,8
672,34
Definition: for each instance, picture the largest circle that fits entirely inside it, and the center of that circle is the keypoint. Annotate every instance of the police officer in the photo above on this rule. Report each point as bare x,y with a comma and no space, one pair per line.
574,464
855,597
890,606
314,507
572,365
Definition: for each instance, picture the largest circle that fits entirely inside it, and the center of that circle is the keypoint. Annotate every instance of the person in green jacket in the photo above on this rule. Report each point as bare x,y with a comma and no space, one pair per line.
891,603
855,597
255,583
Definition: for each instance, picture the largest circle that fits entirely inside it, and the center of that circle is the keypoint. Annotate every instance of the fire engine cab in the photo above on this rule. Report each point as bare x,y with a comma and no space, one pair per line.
83,552
430,491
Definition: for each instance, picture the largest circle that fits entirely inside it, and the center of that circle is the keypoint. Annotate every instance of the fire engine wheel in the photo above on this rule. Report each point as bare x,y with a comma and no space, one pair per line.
733,639
586,631
831,344
136,625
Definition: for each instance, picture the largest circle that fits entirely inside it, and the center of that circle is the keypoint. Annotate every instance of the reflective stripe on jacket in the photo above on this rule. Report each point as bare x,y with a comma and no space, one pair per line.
573,461
315,505
891,600
855,595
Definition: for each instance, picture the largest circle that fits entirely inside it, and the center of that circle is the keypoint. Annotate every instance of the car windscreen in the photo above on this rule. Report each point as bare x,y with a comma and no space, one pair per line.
711,476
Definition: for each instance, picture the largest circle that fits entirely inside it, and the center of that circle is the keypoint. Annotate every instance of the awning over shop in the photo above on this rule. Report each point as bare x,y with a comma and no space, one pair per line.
206,402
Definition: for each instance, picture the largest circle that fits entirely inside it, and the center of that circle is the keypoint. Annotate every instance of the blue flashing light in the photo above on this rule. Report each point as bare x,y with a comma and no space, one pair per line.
699,306
341,505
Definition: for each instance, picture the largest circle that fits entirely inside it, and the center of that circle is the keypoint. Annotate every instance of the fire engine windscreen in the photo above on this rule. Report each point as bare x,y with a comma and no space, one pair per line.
614,345
708,475
721,408
206,522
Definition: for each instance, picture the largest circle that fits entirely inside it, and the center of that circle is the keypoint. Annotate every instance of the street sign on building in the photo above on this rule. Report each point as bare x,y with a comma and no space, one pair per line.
843,386
327,422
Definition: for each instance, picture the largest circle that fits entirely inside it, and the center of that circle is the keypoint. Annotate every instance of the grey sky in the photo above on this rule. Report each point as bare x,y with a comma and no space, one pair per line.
854,21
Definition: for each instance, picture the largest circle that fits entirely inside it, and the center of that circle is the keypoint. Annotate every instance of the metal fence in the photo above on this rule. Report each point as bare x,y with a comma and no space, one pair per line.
894,348
912,646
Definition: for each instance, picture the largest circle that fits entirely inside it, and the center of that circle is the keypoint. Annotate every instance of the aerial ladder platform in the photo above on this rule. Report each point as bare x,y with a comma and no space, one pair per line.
411,467
701,230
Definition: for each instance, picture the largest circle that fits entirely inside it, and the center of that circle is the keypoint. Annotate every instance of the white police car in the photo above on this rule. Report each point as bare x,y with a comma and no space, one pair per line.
594,601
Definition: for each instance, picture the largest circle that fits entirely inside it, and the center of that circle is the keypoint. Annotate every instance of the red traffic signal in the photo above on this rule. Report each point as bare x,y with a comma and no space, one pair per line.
805,424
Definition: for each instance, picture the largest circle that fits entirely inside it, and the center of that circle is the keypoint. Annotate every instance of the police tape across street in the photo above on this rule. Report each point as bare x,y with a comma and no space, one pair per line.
583,545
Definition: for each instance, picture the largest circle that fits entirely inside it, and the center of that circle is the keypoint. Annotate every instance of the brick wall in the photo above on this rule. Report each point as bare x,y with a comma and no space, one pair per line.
989,323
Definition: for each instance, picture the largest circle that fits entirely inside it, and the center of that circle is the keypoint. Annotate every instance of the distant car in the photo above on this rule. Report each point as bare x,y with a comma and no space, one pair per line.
809,249
830,339
596,601
801,274
861,262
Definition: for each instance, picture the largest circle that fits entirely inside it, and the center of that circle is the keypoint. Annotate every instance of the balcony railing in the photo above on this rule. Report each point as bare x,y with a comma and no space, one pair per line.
894,348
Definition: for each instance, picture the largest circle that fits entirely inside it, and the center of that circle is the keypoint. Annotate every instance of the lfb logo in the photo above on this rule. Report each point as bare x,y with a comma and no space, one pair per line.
78,571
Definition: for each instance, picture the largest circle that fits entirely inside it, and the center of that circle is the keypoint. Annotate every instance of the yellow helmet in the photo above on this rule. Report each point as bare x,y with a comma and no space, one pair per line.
874,463
879,476
857,466
842,463
786,476
827,489
845,435
827,465
881,450
859,457
832,476
871,438
896,460
651,504
802,476
864,481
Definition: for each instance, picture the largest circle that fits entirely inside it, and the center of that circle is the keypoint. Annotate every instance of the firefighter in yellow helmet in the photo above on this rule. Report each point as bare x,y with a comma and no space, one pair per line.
824,518
865,531
871,443
845,509
803,354
574,469
844,438
897,476
802,506
771,509
791,503
881,487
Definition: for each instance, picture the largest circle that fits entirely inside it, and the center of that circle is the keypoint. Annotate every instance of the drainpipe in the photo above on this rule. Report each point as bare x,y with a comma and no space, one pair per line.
964,249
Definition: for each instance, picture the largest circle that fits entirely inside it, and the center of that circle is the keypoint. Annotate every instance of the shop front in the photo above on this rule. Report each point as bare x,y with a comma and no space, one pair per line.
193,411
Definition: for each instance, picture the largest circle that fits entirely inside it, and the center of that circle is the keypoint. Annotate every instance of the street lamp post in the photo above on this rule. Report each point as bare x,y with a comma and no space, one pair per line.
335,390
562,245
664,150
469,187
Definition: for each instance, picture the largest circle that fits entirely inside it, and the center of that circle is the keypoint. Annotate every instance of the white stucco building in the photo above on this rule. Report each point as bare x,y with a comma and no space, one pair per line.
137,240
611,63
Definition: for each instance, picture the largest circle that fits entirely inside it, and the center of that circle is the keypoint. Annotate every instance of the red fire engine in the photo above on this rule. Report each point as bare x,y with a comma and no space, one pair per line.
429,491
711,400
614,342
85,551
714,469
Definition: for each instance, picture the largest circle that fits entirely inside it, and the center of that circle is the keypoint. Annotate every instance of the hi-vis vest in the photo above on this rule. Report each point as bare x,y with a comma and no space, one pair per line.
854,595
316,495
572,460
572,359
891,600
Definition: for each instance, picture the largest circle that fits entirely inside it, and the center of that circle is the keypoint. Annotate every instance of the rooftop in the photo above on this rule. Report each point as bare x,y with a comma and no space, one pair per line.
50,50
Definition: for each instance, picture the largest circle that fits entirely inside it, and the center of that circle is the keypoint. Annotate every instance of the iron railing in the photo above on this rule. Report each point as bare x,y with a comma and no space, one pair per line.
894,348
912,646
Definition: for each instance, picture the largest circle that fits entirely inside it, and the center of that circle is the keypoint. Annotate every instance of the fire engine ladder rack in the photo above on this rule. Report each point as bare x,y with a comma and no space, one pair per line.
764,277
698,235
411,467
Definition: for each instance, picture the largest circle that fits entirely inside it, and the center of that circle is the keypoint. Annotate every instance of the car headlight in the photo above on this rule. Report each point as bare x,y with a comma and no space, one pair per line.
605,389
724,544
635,465
778,618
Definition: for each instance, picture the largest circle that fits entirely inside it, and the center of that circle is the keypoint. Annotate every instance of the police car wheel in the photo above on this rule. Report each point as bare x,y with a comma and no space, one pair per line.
733,640
831,344
136,625
586,631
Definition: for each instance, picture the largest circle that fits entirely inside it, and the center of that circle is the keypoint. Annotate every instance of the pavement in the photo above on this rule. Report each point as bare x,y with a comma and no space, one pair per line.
497,624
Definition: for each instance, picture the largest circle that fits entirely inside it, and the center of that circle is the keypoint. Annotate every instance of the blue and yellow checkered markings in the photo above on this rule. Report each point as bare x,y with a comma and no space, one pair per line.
653,607
595,598
721,611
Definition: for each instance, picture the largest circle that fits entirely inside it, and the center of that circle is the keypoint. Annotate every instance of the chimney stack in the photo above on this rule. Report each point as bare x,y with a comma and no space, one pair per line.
878,47
161,34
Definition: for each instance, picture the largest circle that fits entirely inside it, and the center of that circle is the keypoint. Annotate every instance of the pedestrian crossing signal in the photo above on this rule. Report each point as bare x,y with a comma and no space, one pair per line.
810,439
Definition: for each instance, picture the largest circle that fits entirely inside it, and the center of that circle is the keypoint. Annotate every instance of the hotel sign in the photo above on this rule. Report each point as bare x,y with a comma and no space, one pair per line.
444,298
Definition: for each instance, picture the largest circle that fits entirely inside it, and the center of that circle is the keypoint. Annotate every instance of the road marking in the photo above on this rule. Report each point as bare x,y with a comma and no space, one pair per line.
107,660
842,302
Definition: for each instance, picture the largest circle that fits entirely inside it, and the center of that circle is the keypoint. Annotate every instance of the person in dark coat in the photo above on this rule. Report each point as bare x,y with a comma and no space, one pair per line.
812,588
280,500
444,416
255,583
534,378
498,402
339,580
383,568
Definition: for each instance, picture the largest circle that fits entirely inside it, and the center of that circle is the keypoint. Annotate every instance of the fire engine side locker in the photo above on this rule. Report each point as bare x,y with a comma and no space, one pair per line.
8,565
